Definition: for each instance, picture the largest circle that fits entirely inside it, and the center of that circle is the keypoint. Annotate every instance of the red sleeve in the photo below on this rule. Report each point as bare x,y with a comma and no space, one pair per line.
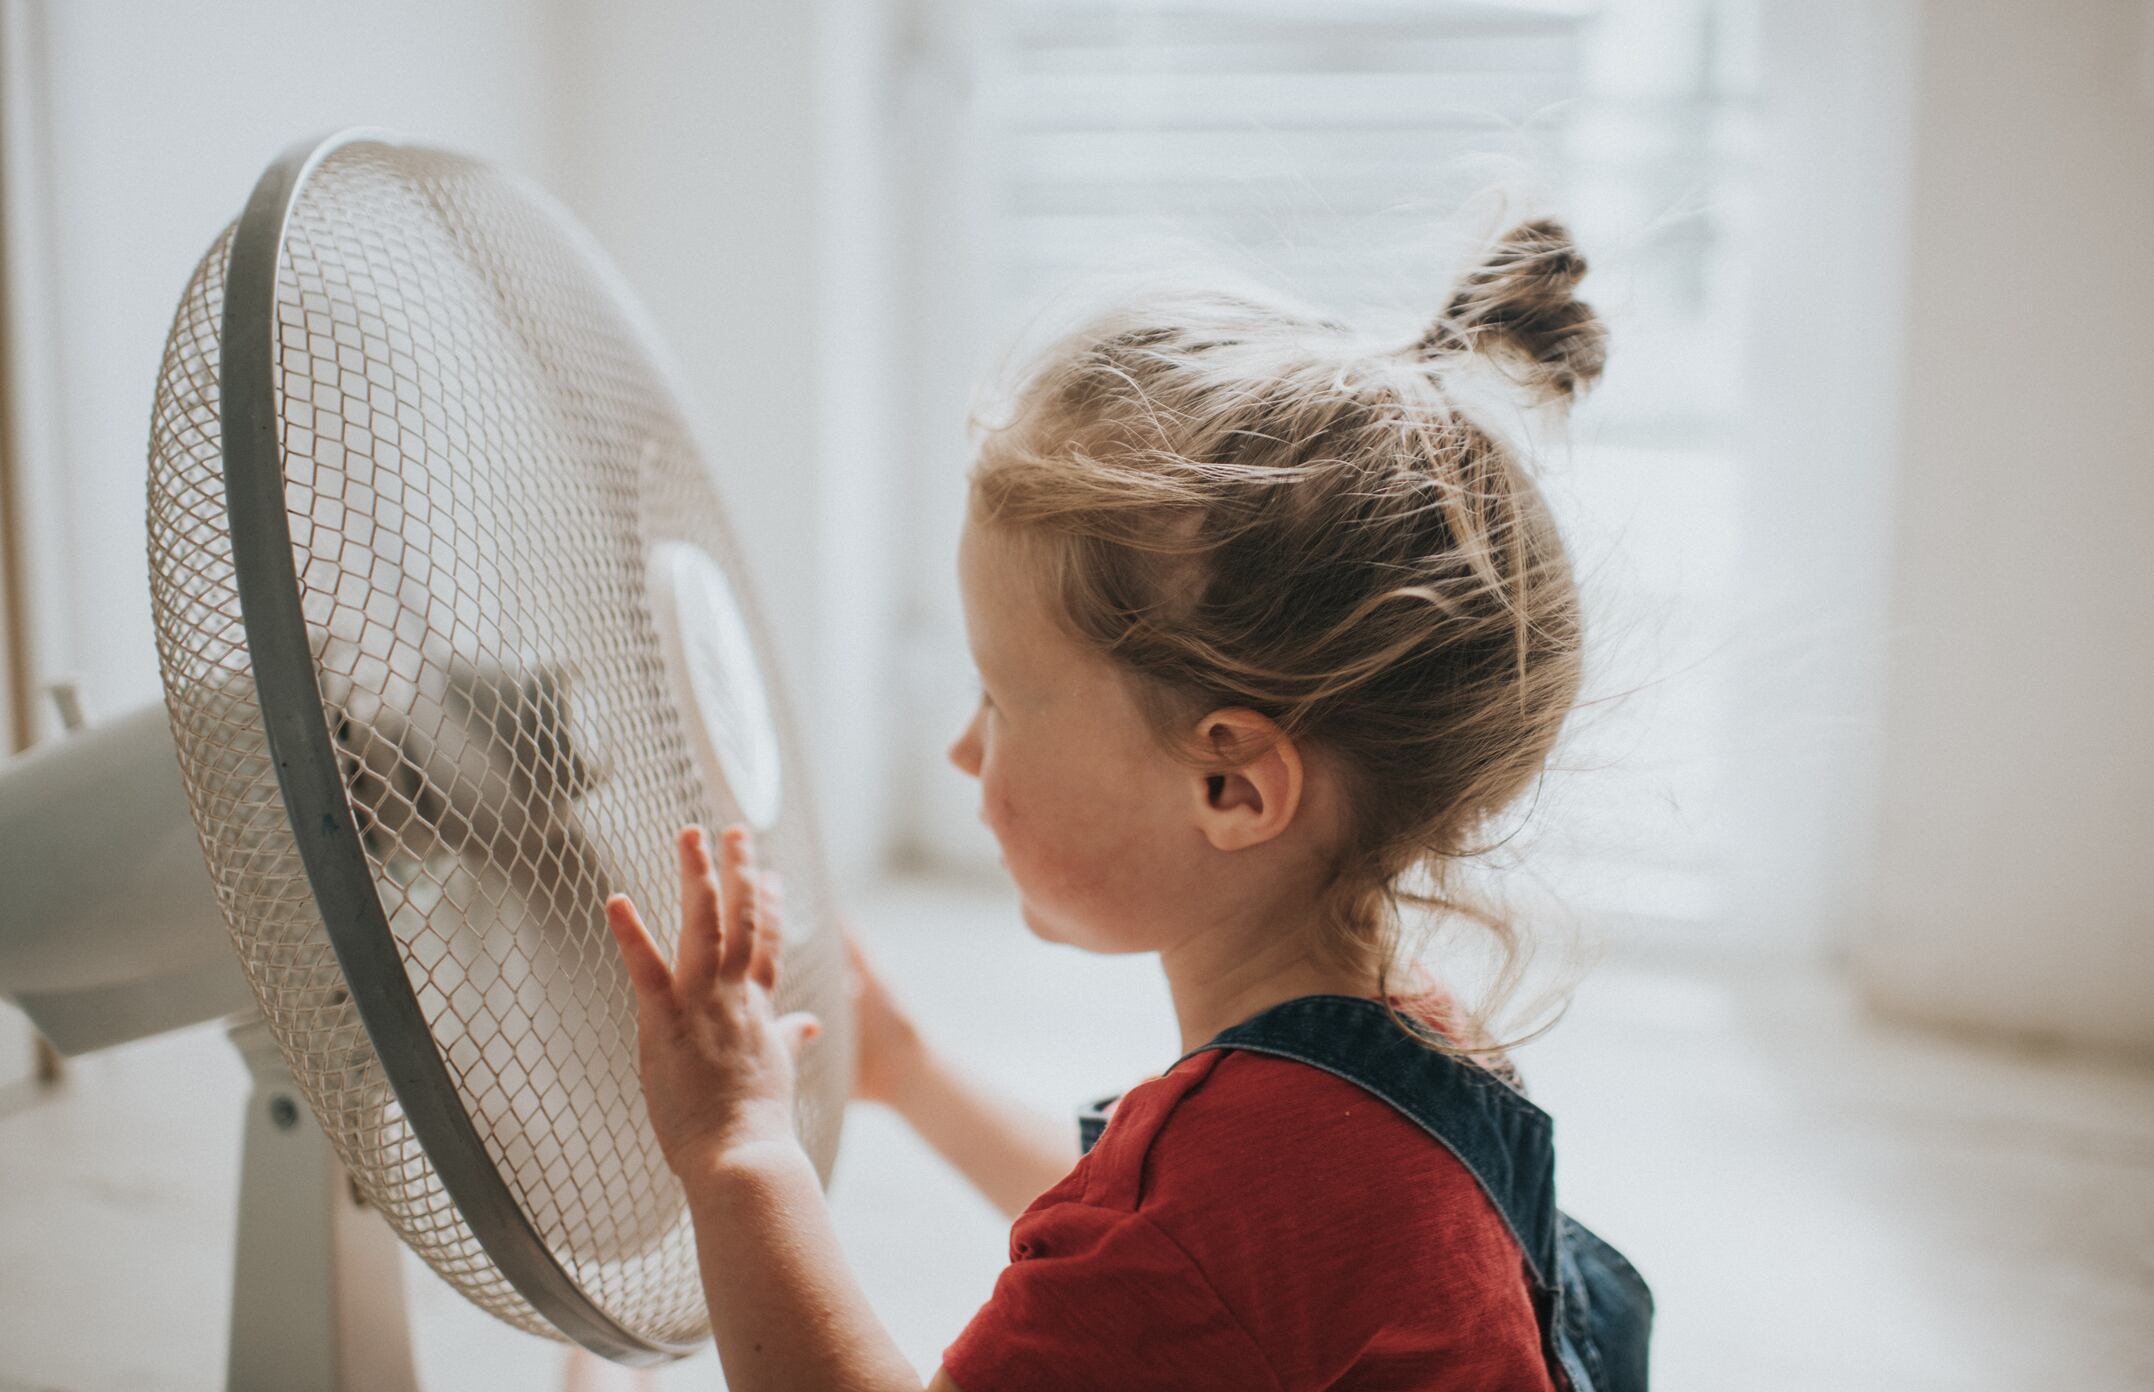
1099,1297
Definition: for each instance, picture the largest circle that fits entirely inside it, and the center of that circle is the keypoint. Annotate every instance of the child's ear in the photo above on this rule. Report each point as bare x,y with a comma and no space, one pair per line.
1255,797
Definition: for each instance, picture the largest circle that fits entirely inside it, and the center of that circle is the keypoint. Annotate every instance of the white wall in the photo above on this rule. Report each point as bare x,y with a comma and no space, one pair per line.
729,158
2016,849
1807,657
943,246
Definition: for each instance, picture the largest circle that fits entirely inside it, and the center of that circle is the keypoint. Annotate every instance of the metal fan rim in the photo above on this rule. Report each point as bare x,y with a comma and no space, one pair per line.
289,696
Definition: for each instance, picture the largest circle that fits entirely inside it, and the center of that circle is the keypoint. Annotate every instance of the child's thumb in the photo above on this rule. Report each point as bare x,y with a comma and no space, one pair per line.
797,1030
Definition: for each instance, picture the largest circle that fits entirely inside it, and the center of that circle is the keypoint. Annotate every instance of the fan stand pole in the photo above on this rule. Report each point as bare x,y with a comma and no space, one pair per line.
317,1288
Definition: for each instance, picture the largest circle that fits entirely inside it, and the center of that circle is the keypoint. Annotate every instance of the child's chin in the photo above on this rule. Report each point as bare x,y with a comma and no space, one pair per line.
1048,930
1064,934
1039,926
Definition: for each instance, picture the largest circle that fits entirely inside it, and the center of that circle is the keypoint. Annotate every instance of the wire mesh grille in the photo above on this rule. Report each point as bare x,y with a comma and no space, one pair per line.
480,457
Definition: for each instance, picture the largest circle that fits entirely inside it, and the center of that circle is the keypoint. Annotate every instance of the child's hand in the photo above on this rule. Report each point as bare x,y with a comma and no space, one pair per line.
717,1067
889,1045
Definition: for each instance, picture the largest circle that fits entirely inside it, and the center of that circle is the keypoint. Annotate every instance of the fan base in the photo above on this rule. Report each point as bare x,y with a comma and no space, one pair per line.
317,1285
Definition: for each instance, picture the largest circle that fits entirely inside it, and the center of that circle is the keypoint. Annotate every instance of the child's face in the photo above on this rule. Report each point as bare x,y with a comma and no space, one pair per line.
1093,817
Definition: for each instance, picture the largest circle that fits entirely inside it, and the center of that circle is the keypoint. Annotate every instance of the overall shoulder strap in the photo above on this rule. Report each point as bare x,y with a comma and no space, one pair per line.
1502,1138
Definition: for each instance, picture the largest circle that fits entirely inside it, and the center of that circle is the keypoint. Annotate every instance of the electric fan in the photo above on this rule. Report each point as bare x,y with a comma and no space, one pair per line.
453,638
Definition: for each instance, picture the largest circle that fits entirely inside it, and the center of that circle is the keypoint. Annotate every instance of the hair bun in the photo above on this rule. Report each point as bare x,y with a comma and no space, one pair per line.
1521,297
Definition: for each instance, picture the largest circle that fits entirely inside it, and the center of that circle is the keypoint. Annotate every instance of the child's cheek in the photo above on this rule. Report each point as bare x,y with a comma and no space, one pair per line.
1043,859
1023,841
1093,855
1000,816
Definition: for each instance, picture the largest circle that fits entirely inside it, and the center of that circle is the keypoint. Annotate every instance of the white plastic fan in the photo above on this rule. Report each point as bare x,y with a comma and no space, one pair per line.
453,638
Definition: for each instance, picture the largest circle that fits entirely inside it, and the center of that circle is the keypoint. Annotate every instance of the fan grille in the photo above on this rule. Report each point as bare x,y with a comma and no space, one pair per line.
479,457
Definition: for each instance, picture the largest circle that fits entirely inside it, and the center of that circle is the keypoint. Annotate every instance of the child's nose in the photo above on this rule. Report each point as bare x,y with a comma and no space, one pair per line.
965,752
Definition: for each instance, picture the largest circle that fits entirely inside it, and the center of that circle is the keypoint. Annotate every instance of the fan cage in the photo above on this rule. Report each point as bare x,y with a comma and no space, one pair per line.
479,452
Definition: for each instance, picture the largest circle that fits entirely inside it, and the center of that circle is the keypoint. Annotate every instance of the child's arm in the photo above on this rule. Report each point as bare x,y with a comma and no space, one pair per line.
1011,1152
785,1308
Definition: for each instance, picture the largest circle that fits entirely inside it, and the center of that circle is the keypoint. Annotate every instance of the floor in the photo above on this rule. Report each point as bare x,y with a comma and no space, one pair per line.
1822,1204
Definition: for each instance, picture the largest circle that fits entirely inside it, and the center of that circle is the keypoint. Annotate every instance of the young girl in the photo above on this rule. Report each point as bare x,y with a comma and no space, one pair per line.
1269,629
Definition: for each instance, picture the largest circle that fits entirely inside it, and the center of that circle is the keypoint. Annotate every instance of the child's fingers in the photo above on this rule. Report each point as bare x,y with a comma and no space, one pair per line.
859,970
856,970
769,933
763,966
700,928
647,970
736,884
797,1030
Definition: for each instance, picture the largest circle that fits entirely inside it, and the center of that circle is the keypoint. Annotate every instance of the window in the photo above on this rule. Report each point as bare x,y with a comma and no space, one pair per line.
1327,142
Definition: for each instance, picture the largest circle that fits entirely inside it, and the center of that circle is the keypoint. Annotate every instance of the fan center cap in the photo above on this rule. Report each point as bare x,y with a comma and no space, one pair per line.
717,683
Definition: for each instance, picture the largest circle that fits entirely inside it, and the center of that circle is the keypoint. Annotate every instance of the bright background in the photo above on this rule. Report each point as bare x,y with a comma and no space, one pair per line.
1863,507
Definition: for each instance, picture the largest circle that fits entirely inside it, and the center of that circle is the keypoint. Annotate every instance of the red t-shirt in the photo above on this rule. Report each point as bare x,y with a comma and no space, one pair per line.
1250,1223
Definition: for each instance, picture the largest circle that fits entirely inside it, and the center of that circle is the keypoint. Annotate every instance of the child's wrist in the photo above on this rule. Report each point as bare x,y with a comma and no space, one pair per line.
913,1065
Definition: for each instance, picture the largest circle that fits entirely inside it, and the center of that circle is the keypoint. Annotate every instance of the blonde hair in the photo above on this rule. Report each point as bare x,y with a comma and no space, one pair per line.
1243,503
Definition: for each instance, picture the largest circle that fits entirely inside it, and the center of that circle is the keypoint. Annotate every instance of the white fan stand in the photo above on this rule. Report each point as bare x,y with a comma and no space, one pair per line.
109,932
317,1283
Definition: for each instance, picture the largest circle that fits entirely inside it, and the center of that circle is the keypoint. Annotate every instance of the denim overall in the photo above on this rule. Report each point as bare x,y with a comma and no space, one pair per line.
1594,1309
